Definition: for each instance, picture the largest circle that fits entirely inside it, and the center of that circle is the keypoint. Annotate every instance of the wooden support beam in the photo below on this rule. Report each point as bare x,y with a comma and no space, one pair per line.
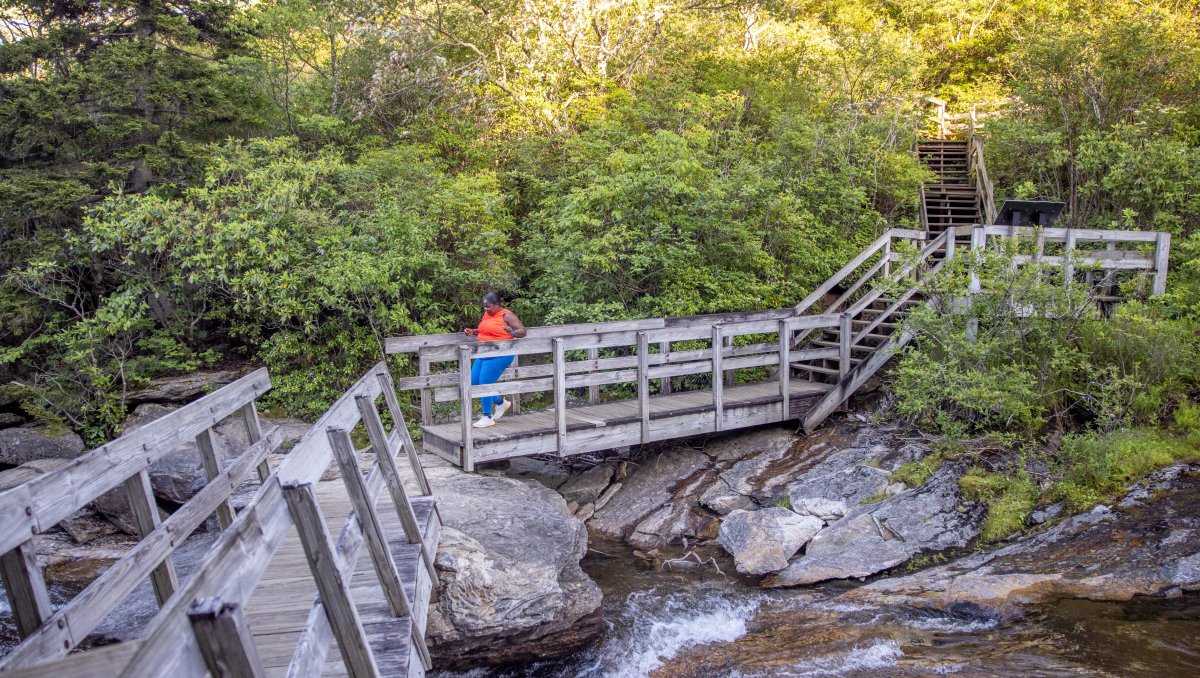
207,442
1162,257
332,585
464,398
145,517
785,370
254,433
718,347
386,460
844,343
1069,259
593,355
516,397
225,639
26,588
426,394
399,425
643,384
664,384
559,359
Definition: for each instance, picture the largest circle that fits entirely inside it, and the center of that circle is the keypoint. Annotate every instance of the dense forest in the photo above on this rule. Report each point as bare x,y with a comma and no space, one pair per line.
189,183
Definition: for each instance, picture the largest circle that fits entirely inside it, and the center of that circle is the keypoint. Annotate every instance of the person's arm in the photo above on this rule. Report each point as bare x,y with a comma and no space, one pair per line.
513,325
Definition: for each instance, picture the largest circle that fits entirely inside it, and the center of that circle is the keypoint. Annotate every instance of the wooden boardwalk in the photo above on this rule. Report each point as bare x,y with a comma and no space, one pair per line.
279,608
617,423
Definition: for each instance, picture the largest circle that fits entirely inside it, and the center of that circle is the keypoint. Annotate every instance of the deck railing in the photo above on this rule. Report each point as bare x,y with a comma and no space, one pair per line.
201,628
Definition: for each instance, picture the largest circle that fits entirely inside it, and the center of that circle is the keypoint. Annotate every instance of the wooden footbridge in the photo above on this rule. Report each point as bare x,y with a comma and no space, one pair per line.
288,580
285,582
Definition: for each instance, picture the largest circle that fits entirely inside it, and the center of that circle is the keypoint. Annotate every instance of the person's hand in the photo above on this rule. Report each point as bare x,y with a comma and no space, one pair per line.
511,332
470,332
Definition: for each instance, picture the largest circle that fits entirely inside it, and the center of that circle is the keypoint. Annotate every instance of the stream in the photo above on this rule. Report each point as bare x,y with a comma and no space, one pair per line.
698,623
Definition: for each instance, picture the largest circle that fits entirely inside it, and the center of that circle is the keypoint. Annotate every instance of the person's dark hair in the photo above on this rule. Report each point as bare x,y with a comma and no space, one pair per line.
491,298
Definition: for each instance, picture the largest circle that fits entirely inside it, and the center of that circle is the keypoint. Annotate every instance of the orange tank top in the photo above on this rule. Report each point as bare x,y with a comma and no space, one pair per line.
491,326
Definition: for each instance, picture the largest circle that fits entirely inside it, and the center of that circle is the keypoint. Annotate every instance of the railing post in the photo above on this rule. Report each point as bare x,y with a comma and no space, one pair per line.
26,588
426,392
145,517
207,442
643,384
389,396
1069,259
785,370
978,242
951,235
664,384
887,258
844,332
718,348
593,354
464,397
1162,255
225,639
332,585
515,398
254,434
560,395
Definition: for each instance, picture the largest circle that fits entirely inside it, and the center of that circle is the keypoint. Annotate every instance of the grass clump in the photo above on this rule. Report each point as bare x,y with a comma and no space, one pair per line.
1095,466
784,502
1009,499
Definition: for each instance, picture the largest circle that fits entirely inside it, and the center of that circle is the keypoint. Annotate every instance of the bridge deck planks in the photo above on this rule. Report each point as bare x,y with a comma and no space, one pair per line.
280,605
592,427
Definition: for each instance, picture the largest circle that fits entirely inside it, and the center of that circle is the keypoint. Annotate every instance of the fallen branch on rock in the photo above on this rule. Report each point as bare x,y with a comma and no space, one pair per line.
695,562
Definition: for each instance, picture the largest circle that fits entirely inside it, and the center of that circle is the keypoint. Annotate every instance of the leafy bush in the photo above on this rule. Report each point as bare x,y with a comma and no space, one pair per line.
1095,466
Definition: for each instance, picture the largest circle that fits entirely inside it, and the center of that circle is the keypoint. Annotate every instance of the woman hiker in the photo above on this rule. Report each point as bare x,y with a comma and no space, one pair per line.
497,324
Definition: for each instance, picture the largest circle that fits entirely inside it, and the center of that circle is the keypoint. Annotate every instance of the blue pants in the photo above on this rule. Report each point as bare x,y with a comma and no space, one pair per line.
487,371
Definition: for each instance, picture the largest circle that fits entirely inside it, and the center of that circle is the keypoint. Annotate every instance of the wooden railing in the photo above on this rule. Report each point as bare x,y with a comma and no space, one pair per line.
978,168
38,505
201,628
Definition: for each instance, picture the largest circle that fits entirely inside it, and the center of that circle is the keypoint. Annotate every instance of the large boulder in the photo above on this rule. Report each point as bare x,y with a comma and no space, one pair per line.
586,487
1148,545
182,388
26,443
660,493
762,541
512,588
877,536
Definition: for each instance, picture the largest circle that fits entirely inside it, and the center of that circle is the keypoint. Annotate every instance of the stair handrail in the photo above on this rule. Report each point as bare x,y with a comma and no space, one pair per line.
983,185
884,241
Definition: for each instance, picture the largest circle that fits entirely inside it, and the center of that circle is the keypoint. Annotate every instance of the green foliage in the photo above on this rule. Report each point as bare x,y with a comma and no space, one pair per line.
1009,499
1095,467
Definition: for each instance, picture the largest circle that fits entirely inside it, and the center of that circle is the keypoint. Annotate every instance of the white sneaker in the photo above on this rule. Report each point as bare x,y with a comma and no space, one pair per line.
484,422
501,409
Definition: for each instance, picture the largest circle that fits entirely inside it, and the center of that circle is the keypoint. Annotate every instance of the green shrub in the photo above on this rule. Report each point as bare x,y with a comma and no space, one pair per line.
1094,467
1009,499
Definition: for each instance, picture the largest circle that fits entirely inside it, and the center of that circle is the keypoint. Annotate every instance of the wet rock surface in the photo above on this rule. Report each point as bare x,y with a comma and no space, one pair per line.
513,590
763,541
1149,545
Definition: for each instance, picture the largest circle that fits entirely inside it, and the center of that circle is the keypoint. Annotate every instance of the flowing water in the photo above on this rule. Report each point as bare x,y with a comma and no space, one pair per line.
697,623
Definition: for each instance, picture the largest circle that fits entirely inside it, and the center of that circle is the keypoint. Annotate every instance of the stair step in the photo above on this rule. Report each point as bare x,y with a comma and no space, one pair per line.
816,368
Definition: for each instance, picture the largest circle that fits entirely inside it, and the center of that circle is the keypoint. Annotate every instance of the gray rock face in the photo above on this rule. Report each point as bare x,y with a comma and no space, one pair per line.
27,472
549,473
10,419
586,487
842,479
827,510
183,388
24,444
762,541
509,565
651,488
1148,546
875,537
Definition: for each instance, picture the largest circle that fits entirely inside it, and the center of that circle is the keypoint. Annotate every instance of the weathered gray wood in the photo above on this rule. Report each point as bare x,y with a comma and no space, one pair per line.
1118,260
594,389
857,378
334,587
643,384
254,434
560,395
1081,234
224,639
106,660
145,518
664,352
785,369
1069,258
47,500
844,341
26,588
75,620
393,404
207,442
516,398
312,647
426,397
464,388
1162,258
364,511
823,289
718,386
395,484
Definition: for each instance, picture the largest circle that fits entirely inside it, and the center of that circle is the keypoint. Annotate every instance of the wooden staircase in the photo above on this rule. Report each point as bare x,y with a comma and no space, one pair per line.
954,200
